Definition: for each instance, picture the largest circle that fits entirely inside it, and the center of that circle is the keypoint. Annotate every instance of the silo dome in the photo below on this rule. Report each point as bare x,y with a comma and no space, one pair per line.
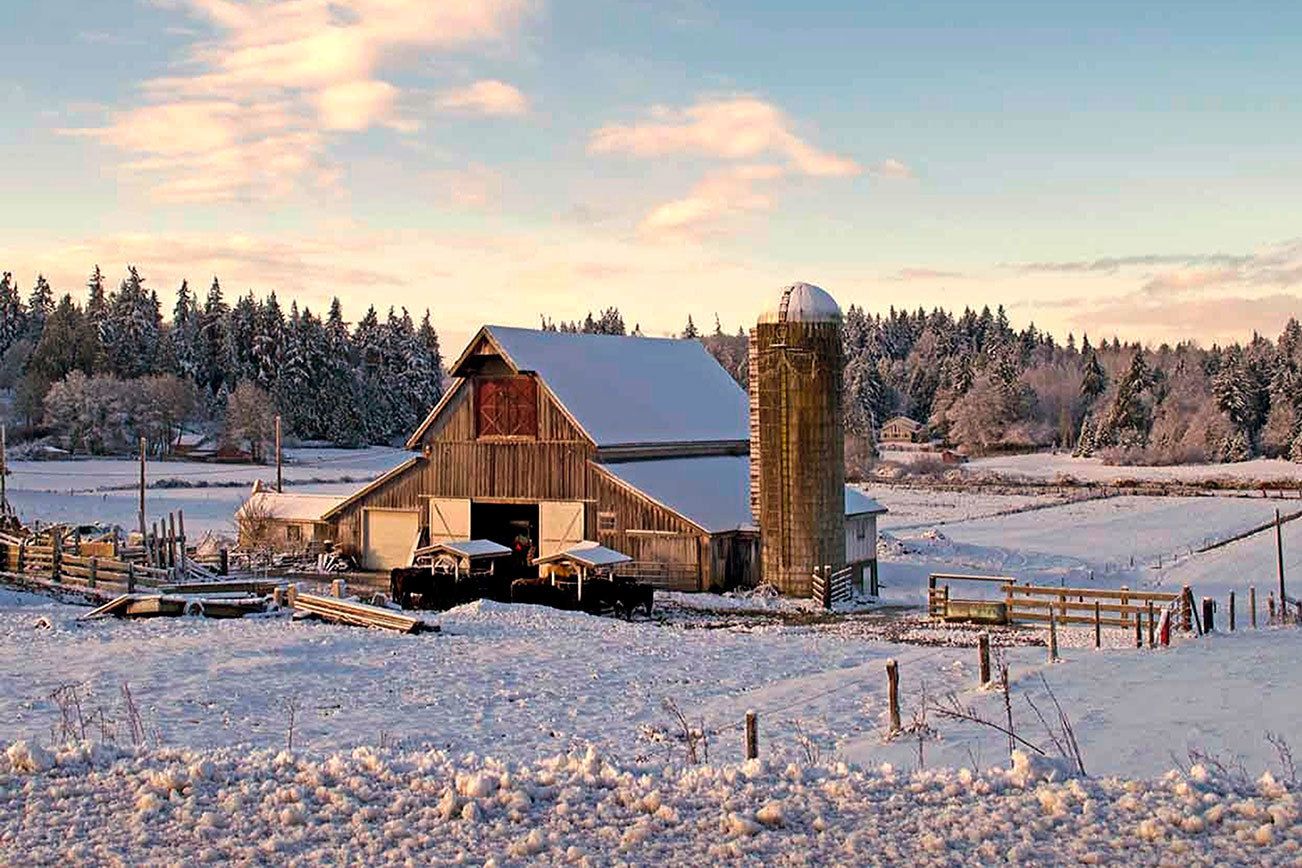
803,302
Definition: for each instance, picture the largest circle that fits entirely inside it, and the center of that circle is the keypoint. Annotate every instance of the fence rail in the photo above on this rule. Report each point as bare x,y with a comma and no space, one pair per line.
1099,607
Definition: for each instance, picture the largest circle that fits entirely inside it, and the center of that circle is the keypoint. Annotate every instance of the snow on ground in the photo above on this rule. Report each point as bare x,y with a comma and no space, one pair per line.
1109,542
1044,465
523,682
922,507
101,489
375,807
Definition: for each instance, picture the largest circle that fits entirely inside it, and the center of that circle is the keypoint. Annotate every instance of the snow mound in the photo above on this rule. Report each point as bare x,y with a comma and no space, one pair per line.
233,805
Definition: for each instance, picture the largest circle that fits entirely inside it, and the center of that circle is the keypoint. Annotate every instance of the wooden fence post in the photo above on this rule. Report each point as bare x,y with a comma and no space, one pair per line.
945,602
1252,605
1270,608
337,589
291,595
171,540
1231,613
224,562
1209,614
56,556
1186,608
983,652
1053,637
893,693
1152,625
278,597
93,570
180,527
1098,625
131,577
752,735
1139,629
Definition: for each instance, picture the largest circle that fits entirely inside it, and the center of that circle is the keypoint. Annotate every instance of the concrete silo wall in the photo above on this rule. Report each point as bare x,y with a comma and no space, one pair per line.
798,450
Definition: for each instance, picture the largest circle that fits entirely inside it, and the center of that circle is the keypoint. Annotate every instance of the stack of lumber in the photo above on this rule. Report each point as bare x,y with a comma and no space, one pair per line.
358,614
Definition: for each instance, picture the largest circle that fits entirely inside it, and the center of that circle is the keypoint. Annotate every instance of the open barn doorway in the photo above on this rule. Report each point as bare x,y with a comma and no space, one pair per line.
514,525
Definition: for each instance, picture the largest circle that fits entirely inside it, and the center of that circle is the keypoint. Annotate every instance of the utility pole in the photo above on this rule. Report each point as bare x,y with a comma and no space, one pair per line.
280,482
4,473
142,487
1279,556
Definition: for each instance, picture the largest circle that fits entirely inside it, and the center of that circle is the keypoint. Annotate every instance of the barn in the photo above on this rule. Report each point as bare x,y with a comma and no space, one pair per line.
545,439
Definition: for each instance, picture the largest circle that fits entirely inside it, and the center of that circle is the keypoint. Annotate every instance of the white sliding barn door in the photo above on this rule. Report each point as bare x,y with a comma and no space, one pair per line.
560,525
449,519
390,536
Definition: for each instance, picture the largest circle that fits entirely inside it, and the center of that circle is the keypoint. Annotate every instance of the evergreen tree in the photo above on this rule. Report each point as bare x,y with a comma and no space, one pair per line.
131,328
13,313
1093,380
186,361
690,331
39,307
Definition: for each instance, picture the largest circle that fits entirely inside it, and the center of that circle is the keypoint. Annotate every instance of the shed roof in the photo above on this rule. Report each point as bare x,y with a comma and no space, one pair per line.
468,548
712,492
290,507
586,554
631,390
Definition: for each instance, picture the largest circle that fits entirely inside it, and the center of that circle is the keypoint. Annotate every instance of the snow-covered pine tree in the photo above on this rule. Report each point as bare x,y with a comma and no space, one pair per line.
13,313
1093,379
211,373
131,328
39,307
184,335
690,331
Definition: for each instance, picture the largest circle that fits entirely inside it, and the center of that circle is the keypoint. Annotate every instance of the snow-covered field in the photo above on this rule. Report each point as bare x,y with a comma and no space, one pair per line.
1047,466
103,489
524,734
1109,542
923,507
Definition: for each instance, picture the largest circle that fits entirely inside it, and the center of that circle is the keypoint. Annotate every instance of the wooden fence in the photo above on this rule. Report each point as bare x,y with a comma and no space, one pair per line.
830,588
1026,603
56,558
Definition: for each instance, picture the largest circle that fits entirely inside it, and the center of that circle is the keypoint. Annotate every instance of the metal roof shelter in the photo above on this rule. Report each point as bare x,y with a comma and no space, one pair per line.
586,555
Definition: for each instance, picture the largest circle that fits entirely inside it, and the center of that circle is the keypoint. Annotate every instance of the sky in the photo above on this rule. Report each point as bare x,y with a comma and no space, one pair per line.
1115,168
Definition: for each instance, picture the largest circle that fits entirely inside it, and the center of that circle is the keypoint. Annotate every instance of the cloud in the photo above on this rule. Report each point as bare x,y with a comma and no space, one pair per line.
911,274
720,195
742,128
892,169
476,186
739,130
267,83
1222,319
485,97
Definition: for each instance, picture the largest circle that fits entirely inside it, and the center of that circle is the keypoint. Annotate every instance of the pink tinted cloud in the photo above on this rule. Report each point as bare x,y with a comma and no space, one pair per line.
485,97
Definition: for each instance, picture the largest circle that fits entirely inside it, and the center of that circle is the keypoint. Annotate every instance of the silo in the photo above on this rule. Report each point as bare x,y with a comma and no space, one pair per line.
797,448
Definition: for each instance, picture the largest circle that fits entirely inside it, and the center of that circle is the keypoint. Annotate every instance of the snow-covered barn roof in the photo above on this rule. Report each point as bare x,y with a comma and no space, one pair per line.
630,390
290,507
712,492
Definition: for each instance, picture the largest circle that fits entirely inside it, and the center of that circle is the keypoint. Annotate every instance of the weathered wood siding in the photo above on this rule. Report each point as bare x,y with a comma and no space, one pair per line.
649,533
455,463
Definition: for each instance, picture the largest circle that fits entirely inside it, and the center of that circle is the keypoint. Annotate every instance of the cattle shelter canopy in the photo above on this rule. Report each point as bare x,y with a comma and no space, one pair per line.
633,390
586,554
283,506
467,548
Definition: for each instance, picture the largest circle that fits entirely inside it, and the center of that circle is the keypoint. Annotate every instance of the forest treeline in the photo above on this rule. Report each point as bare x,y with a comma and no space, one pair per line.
977,383
101,372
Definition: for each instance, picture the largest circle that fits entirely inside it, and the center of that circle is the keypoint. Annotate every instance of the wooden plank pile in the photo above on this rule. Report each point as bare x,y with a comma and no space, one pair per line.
357,614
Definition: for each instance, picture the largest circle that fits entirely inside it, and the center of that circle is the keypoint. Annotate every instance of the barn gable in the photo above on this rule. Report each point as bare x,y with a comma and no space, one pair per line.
620,392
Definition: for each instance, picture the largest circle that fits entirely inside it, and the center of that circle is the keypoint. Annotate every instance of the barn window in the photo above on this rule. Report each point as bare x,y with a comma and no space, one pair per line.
294,533
506,407
861,530
606,521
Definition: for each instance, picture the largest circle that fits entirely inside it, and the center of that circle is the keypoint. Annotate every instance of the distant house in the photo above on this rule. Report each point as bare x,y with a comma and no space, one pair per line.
547,439
900,429
284,521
